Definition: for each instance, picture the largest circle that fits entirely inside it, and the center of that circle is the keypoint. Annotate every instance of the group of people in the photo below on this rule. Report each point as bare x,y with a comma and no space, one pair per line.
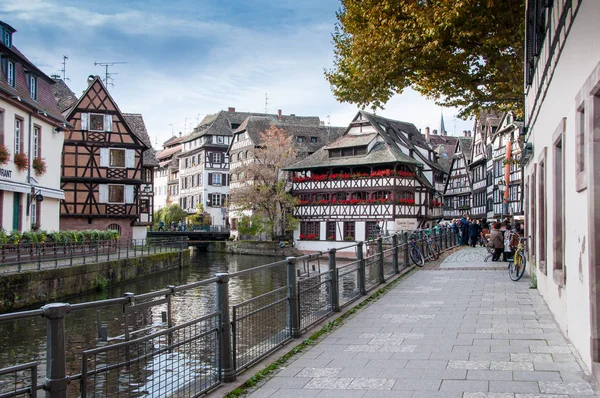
180,226
494,234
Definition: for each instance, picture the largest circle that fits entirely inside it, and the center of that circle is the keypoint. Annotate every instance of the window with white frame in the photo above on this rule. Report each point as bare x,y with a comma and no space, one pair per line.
96,122
217,179
116,194
36,142
217,157
18,124
32,81
217,199
117,158
219,139
10,73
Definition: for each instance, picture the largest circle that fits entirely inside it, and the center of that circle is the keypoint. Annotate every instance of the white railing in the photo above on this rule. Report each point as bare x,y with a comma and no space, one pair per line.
354,183
370,211
455,191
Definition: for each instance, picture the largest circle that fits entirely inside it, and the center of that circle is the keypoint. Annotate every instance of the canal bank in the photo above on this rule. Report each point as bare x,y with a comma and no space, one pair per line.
26,289
250,247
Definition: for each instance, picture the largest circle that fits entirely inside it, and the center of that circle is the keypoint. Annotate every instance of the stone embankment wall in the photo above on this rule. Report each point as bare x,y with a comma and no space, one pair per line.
39,287
251,247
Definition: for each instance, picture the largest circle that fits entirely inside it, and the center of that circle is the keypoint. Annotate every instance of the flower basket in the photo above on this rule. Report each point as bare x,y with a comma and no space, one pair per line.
331,238
21,161
4,154
406,202
349,237
39,165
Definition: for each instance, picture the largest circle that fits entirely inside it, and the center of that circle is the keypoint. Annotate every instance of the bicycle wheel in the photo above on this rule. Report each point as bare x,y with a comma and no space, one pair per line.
435,248
417,257
516,269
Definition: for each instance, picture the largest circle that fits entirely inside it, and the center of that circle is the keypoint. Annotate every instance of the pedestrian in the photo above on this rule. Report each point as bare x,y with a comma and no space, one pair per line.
161,226
456,230
496,241
474,231
464,225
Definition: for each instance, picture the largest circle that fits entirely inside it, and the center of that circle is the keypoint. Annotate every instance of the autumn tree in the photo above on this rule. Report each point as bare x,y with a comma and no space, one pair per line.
460,53
264,188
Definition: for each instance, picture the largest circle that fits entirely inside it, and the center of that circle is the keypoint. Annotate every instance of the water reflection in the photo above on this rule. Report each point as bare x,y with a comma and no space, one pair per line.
25,340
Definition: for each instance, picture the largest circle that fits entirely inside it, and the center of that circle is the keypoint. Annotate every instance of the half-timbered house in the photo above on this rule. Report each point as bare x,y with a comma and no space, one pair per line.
107,166
372,179
166,175
31,139
457,192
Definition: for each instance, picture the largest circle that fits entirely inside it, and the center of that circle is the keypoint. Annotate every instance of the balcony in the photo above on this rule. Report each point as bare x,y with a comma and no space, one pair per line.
458,191
436,212
478,211
381,182
369,211
479,185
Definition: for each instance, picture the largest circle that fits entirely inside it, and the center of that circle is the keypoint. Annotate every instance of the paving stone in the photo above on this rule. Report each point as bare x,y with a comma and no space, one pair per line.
397,348
386,363
382,394
464,386
263,392
540,396
502,365
289,372
489,356
430,364
559,366
551,387
537,376
361,348
514,386
418,385
468,364
401,374
341,394
329,383
293,393
489,375
445,374
550,349
287,382
531,358
487,395
359,372
371,384
319,372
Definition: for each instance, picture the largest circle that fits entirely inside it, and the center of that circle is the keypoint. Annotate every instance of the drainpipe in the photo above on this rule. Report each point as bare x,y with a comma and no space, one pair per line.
29,195
507,176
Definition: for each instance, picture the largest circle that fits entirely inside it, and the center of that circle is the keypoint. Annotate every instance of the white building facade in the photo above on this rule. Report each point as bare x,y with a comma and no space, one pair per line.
31,128
562,159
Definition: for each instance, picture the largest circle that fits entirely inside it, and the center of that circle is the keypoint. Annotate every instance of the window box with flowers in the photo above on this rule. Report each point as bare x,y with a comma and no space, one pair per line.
21,161
406,202
349,238
39,165
435,203
354,176
309,237
4,154
331,238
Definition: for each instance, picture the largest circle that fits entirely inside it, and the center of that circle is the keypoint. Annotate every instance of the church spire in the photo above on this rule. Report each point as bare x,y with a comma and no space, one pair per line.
442,127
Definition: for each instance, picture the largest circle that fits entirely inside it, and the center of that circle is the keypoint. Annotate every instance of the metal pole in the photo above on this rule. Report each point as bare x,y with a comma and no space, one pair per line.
361,268
380,272
227,369
406,249
395,254
292,281
335,283
56,365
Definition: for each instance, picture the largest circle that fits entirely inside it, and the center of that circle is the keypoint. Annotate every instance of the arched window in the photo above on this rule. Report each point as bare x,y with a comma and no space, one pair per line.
405,195
114,227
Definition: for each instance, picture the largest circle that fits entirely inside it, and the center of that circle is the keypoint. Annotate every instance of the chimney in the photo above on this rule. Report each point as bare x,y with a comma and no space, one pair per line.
434,132
468,133
427,137
230,109
279,114
180,133
465,133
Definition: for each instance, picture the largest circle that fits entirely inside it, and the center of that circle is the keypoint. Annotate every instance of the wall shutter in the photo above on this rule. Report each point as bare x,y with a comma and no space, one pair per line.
209,178
108,120
128,193
102,193
85,121
104,157
130,158
209,202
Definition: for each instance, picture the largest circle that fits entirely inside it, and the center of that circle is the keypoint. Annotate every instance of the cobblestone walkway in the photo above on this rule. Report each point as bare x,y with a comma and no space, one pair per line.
455,333
471,257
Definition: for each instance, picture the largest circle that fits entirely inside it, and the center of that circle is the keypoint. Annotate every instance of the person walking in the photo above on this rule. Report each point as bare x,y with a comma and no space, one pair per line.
456,229
496,241
474,231
161,226
464,225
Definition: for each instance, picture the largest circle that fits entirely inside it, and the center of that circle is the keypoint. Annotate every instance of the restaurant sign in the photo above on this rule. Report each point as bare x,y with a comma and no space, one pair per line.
5,173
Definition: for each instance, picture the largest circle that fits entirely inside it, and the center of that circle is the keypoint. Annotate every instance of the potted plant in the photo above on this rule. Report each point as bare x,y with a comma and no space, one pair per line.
331,237
39,165
21,161
4,154
349,237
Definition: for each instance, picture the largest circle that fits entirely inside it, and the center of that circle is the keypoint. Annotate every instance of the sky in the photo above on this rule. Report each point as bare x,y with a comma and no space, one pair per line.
183,59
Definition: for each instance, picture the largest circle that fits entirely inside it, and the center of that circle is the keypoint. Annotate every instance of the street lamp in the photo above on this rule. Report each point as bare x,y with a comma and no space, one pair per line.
502,189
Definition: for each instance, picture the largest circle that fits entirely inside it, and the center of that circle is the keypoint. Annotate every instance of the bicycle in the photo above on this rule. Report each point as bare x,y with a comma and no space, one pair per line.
413,251
432,248
516,268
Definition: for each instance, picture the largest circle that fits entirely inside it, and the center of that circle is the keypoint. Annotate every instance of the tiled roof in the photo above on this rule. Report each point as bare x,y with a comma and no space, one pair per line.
137,125
352,141
381,153
46,103
63,94
172,141
165,153
465,146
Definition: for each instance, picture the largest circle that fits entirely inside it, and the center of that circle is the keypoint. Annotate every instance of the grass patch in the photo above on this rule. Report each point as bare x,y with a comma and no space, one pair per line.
310,341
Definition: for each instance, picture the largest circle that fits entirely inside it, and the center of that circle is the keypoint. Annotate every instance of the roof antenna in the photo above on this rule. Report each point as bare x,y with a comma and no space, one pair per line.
107,75
266,102
64,68
172,131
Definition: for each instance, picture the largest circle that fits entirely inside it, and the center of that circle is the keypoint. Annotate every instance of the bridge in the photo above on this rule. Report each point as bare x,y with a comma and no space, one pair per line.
196,237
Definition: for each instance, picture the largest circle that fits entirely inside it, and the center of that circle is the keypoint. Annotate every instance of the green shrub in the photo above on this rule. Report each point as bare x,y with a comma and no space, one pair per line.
42,236
3,237
14,238
55,237
29,237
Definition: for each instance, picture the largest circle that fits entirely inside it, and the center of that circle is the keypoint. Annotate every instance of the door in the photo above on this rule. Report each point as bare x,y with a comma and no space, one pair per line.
16,212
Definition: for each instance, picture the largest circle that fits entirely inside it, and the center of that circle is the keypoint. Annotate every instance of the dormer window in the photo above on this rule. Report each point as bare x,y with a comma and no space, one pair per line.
7,39
32,80
10,73
314,139
299,139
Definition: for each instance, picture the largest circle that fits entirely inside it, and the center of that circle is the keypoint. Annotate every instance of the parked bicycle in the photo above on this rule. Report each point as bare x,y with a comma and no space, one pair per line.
516,267
432,249
413,251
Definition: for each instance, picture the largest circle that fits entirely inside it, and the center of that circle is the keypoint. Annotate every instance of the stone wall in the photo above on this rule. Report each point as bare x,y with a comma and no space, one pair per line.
39,287
256,248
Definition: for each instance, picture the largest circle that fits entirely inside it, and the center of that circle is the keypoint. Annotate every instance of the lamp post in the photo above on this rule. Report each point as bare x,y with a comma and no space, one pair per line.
502,189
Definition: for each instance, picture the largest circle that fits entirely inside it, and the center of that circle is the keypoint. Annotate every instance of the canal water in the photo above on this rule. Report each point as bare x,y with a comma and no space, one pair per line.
25,340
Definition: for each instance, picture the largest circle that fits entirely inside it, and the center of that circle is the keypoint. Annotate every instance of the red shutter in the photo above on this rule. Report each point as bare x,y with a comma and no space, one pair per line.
209,178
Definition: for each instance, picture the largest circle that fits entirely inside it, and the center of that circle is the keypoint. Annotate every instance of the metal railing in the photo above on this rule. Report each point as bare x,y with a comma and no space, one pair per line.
18,383
38,256
205,350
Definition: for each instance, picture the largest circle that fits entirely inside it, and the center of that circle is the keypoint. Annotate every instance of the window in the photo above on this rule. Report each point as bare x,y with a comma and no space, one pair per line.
310,228
331,235
17,136
144,205
36,142
7,38
559,205
33,86
542,212
117,158
116,194
372,229
219,139
299,139
314,139
581,182
96,122
10,73
217,199
217,157
349,230
217,179
114,227
187,163
531,217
